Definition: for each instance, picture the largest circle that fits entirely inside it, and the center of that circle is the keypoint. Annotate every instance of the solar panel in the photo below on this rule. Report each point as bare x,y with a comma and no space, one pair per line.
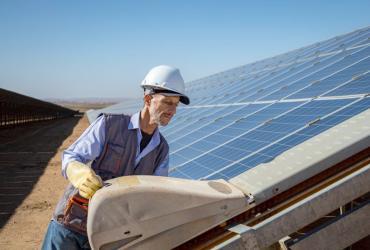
245,116
246,145
339,78
268,153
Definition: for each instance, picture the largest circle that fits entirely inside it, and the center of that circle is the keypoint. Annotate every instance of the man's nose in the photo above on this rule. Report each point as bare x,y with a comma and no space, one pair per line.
173,109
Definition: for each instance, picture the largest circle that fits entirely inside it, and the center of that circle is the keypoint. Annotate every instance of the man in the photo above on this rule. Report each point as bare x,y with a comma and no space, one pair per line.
117,145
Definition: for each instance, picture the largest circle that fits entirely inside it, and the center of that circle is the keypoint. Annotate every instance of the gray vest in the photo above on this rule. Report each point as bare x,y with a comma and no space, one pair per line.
117,159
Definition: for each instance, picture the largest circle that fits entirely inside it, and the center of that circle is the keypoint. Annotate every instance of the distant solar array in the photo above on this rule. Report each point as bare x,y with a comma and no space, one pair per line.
17,109
248,115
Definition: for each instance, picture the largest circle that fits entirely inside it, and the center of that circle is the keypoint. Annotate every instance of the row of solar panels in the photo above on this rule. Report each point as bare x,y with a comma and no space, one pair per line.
353,39
253,134
265,116
248,115
303,80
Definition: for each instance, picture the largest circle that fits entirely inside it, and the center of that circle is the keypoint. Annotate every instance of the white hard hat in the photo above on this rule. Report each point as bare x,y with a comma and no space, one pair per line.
166,80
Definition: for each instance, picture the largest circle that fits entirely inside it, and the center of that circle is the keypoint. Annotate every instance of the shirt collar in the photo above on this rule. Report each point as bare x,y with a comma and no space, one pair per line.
134,121
135,124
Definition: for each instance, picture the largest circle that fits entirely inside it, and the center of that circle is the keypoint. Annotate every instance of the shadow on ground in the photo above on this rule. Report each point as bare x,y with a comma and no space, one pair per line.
24,154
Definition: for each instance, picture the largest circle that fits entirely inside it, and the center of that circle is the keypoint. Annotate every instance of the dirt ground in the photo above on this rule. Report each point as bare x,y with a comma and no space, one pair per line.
30,178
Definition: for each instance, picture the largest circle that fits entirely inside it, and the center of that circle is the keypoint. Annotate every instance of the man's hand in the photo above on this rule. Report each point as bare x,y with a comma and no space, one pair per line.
83,178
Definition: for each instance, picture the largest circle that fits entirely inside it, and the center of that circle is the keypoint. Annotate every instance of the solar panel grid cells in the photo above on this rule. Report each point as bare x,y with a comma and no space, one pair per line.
355,40
202,145
359,85
230,152
176,146
186,117
335,44
265,135
343,42
335,80
192,170
305,133
186,128
231,92
208,143
271,86
304,77
261,86
234,95
346,113
210,115
219,138
191,137
302,83
324,68
312,51
199,88
301,136
324,124
239,167
226,93
346,62
189,153
325,46
219,120
363,42
176,159
301,53
312,110
197,133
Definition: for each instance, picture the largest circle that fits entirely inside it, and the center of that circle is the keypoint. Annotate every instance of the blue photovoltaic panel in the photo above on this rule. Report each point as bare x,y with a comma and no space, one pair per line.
359,85
319,70
203,129
269,153
245,116
227,133
260,137
327,84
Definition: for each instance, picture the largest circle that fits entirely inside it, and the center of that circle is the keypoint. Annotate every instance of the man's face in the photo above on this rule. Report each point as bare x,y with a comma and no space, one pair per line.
162,108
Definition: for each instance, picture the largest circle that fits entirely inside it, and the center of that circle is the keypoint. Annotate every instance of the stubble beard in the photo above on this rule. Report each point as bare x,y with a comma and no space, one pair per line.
156,118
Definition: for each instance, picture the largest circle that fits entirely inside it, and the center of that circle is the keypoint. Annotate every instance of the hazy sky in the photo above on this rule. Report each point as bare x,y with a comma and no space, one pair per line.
69,49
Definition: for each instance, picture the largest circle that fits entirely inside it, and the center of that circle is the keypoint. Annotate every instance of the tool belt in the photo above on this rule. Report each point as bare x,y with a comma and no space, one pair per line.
75,214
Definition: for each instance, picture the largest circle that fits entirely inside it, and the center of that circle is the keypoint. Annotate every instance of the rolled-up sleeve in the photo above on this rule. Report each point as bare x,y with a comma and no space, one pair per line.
162,169
88,146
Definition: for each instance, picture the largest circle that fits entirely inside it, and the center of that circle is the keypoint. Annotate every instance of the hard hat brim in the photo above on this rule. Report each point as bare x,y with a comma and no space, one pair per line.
183,98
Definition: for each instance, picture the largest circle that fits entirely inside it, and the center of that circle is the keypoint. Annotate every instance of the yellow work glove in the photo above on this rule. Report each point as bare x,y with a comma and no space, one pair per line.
83,178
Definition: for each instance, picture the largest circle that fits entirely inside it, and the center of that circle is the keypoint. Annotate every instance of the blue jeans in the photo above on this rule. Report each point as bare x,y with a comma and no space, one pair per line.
60,238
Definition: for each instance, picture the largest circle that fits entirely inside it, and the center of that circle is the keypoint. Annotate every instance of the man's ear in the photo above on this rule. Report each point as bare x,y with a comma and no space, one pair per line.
147,99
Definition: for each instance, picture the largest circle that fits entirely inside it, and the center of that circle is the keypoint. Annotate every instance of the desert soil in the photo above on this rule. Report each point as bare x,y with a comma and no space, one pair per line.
30,178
